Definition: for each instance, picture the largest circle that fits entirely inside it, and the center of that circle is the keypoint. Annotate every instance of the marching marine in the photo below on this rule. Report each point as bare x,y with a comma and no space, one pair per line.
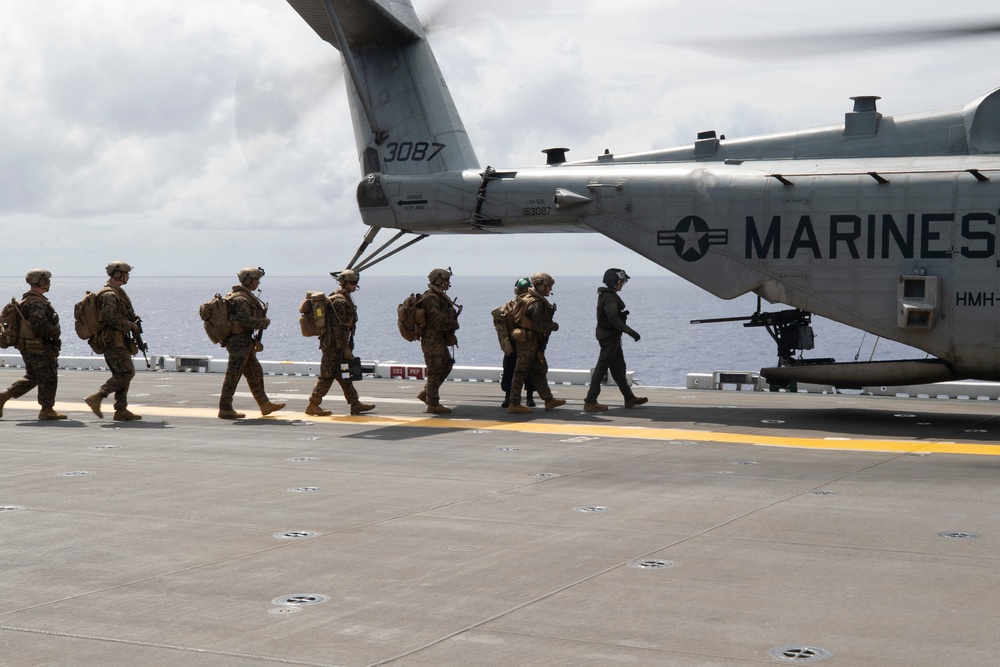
611,318
533,326
39,343
249,316
438,335
117,341
337,343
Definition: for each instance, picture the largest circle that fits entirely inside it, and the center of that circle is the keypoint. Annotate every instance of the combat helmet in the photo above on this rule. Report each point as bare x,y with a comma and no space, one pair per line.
438,274
612,276
542,278
38,276
118,267
346,276
250,272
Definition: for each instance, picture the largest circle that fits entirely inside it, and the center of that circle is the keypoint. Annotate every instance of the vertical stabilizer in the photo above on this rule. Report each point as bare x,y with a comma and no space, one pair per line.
405,121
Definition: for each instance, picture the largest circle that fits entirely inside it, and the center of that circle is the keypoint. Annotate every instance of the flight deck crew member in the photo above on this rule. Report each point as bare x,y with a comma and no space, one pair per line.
249,315
39,347
534,325
337,343
510,359
438,335
611,317
116,341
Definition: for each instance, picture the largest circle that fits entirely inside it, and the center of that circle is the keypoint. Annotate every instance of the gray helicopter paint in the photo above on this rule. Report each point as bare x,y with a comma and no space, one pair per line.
832,221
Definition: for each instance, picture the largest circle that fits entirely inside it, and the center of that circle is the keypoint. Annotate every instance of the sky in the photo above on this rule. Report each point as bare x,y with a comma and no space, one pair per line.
194,138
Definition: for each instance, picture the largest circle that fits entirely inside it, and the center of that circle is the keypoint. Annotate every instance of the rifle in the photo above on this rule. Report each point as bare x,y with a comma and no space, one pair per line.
258,346
139,342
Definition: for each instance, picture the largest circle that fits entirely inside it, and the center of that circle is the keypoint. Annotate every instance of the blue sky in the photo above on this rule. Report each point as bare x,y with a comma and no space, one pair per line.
194,138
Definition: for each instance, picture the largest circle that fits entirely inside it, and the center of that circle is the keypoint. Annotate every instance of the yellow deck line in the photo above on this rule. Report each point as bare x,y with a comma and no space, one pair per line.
577,430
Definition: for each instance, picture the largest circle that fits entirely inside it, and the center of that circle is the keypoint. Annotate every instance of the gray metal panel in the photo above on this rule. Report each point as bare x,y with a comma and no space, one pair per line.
366,23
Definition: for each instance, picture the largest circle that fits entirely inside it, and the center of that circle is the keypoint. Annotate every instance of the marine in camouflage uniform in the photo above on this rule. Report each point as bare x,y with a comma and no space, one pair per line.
536,325
116,342
39,349
438,336
510,358
249,315
337,344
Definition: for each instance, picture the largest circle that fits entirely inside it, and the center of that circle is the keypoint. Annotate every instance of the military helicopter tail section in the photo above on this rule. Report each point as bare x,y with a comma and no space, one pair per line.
405,121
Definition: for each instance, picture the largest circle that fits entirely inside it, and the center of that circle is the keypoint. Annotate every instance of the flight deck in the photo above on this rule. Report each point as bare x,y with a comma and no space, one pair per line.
706,528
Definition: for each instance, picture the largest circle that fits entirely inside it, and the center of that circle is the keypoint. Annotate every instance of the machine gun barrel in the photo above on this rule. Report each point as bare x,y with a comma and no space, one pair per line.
722,319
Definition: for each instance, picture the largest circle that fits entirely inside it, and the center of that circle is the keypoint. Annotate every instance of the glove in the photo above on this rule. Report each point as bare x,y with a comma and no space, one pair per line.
349,355
634,334
555,326
133,327
265,322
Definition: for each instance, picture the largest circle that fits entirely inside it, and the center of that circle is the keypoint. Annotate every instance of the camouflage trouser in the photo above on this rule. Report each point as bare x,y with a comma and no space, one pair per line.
119,361
328,372
530,363
439,363
41,372
242,363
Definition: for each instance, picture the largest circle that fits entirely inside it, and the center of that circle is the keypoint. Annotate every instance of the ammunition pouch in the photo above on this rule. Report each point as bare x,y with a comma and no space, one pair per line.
95,345
31,345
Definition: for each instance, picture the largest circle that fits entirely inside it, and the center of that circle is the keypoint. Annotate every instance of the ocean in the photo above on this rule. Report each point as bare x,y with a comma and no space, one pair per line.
661,308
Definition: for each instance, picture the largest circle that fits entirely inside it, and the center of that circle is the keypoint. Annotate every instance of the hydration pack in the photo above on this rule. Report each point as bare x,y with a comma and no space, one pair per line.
87,316
312,318
411,318
10,324
215,315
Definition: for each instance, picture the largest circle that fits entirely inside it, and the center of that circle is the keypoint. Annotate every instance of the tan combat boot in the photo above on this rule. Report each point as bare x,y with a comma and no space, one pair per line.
229,413
594,406
94,401
422,396
4,397
357,407
518,409
316,411
269,407
50,413
554,403
636,401
126,415
437,409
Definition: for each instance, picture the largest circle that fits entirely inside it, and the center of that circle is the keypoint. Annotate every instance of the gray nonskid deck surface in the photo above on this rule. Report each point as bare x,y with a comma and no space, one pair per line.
580,539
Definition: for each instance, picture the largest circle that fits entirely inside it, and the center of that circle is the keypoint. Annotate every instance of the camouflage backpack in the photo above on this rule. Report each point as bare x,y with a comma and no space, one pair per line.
87,316
503,322
10,324
215,314
312,314
411,318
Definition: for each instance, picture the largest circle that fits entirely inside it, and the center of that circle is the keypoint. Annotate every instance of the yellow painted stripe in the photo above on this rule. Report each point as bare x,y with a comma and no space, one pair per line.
567,429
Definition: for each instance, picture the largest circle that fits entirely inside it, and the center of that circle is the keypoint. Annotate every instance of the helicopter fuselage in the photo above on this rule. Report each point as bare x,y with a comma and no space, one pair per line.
905,248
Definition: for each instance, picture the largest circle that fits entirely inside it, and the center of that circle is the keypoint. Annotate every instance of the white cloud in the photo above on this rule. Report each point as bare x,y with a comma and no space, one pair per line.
194,137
